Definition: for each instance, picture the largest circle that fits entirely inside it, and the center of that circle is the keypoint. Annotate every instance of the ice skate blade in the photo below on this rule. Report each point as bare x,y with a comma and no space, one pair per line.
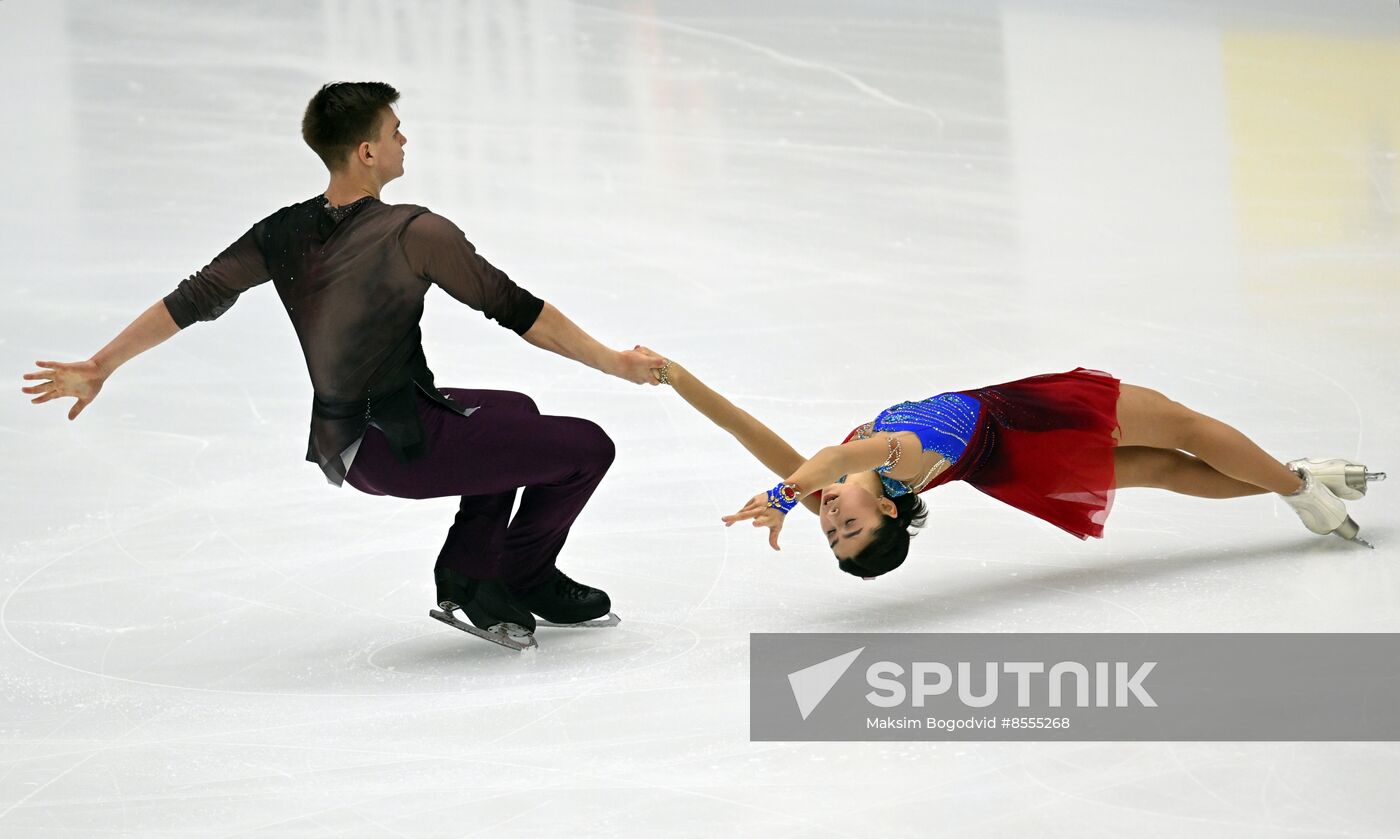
1350,531
508,635
611,620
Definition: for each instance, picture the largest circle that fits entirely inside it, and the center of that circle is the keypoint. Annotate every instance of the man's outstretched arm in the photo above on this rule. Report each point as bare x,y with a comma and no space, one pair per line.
152,327
83,380
204,296
554,332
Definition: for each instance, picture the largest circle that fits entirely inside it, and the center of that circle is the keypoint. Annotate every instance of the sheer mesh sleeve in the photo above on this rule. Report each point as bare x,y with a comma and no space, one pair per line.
215,288
438,251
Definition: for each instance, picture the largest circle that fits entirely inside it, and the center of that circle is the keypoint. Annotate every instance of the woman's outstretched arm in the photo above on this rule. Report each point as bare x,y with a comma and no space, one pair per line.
760,440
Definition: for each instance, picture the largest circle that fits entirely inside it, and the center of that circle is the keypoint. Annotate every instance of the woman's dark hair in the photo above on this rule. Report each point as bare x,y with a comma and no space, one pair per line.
341,116
890,544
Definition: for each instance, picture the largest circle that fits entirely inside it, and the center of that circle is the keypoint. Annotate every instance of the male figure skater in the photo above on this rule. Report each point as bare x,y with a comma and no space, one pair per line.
352,273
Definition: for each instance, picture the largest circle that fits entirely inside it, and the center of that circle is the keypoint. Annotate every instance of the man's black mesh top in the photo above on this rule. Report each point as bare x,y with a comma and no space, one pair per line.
352,280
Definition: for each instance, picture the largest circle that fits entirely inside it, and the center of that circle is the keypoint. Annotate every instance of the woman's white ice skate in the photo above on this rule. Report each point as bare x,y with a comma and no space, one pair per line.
1321,511
1347,480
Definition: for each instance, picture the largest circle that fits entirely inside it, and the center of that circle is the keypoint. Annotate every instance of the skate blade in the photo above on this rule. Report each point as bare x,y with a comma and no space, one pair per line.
1350,531
611,620
508,635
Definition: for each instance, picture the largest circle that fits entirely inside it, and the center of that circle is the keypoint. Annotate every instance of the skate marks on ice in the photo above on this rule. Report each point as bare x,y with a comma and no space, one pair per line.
1139,583
233,643
631,647
783,58
425,664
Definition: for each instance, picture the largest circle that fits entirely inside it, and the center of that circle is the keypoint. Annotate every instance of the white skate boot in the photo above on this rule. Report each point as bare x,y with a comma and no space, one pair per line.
1347,480
1321,511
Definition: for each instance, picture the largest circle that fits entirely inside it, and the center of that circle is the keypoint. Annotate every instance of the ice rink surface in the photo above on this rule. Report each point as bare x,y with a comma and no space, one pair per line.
821,209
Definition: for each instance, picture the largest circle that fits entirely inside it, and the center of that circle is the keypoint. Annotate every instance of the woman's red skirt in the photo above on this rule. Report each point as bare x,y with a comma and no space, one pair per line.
1045,445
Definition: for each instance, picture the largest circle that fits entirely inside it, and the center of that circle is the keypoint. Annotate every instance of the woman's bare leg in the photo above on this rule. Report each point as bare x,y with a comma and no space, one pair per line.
1176,471
1147,418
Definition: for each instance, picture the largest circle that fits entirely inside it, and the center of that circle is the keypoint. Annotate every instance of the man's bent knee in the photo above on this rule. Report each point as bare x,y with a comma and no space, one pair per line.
594,446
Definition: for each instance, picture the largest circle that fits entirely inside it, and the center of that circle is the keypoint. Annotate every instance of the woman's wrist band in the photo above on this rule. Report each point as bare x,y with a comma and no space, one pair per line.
783,497
663,373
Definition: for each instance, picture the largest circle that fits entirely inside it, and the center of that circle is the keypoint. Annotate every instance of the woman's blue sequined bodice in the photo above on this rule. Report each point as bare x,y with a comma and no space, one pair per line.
944,424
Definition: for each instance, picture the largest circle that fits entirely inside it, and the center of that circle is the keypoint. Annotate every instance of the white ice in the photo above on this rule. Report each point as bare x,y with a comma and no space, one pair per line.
822,209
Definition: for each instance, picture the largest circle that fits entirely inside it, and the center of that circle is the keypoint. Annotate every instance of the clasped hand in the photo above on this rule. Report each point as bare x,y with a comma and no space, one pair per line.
636,365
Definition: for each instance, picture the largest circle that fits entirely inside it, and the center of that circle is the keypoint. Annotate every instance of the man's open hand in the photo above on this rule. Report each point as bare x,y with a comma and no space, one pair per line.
80,379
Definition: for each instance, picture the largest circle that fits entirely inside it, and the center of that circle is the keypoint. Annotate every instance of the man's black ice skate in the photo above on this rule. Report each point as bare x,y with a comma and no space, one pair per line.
562,602
495,616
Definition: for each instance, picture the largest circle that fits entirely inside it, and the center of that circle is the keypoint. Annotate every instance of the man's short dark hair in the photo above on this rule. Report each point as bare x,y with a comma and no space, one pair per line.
341,116
890,545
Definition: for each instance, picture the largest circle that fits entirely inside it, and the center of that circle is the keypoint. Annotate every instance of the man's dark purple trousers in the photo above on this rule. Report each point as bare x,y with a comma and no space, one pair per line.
504,445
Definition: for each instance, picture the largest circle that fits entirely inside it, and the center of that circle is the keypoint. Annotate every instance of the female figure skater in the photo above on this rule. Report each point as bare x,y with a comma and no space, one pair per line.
1055,446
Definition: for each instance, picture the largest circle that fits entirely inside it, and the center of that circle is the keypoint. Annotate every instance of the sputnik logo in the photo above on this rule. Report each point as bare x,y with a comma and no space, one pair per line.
810,685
